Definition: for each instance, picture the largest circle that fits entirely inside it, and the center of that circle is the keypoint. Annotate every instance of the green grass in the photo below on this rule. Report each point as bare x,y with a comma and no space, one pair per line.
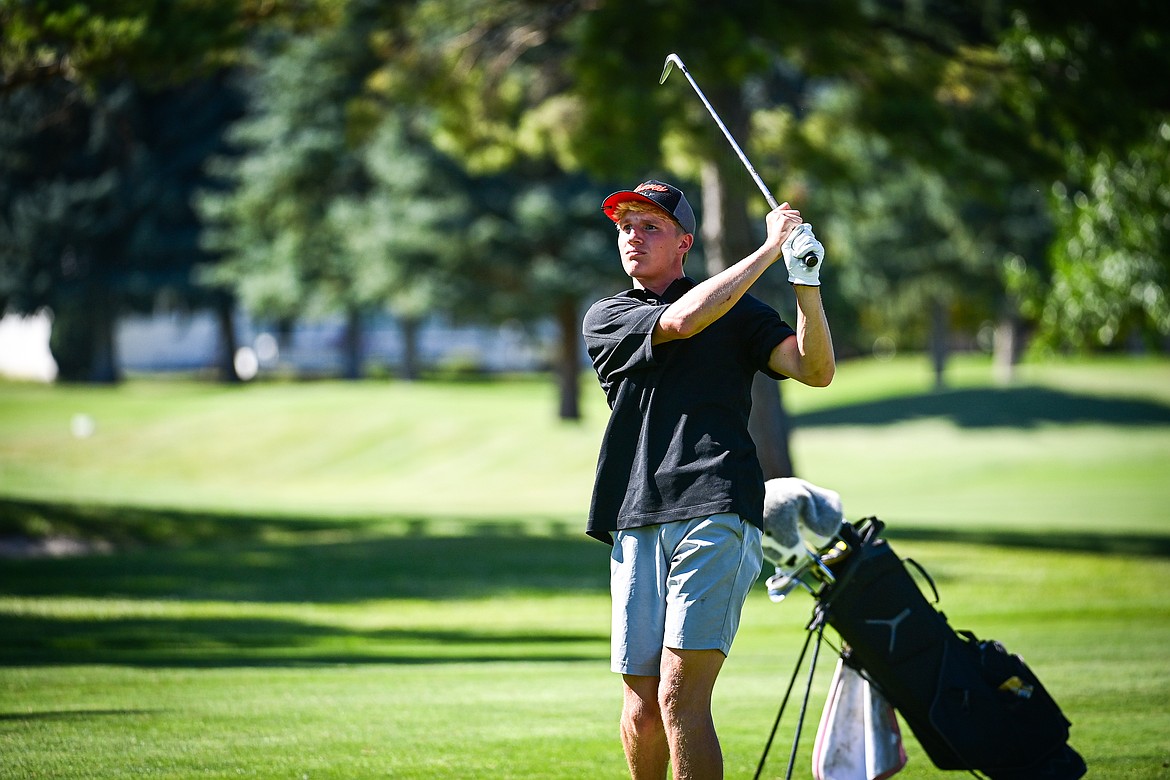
321,659
323,449
1074,448
380,580
1071,449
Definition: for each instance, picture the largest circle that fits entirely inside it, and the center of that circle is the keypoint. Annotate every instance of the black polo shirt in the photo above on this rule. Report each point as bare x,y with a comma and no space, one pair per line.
677,444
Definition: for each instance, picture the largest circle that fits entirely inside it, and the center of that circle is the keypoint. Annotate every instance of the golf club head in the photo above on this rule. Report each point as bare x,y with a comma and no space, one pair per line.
806,576
671,61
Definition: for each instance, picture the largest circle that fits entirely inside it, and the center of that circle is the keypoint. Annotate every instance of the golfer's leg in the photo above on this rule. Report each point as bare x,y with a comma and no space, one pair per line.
688,677
643,736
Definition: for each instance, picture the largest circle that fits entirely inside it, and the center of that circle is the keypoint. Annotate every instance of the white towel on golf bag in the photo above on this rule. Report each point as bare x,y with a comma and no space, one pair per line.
796,511
859,737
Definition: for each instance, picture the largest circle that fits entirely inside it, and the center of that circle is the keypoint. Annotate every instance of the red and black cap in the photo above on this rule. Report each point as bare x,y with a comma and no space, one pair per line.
664,196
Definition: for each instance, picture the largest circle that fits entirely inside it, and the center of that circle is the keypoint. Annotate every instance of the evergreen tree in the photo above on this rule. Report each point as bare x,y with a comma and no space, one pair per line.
96,214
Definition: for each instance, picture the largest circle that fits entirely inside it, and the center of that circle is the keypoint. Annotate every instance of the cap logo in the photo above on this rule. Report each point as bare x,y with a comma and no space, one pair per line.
647,186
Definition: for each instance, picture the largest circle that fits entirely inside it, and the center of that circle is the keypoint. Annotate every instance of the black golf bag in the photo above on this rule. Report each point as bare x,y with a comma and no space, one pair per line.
971,704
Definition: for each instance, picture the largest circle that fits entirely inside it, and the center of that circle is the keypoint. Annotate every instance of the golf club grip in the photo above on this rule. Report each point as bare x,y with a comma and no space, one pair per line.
810,260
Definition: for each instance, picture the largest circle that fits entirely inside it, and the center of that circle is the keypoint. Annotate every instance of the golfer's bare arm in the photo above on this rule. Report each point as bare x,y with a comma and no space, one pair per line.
712,298
808,356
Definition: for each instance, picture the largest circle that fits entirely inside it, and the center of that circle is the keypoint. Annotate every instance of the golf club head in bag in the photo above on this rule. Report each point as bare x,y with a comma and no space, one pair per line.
801,524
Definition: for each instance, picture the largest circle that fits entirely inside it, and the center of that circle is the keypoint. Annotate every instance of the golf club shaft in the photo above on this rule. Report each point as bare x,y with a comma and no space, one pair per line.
727,134
810,259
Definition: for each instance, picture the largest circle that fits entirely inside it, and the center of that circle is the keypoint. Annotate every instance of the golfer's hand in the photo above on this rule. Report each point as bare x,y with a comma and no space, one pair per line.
781,221
800,243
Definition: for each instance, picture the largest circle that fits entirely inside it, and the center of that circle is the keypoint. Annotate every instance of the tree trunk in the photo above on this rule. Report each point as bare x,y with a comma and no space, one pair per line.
105,369
769,418
352,345
226,320
411,362
568,359
726,230
83,338
1006,348
939,346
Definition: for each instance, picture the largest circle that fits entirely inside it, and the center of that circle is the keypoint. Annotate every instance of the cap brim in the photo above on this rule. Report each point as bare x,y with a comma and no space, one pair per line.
625,196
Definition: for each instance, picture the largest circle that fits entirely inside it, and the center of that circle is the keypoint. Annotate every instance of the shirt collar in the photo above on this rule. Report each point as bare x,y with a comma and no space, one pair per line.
676,290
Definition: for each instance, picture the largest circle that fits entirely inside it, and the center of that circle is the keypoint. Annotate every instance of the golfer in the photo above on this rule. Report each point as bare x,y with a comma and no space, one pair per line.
679,490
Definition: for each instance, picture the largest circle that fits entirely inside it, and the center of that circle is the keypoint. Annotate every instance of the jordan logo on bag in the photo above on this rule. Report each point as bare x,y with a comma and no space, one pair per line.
893,624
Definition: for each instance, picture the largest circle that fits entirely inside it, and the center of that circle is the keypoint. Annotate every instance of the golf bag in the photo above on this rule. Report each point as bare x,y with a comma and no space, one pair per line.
970,703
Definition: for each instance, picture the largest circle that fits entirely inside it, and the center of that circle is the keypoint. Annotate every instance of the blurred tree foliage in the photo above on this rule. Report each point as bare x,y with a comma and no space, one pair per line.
296,153
108,111
494,77
1110,262
97,219
964,162
1044,119
154,43
357,190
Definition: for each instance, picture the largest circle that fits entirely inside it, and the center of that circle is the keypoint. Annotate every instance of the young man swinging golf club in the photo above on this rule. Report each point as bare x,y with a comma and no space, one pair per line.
678,482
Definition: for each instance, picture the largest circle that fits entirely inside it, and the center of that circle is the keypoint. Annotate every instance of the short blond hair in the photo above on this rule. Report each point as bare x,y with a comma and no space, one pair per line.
639,207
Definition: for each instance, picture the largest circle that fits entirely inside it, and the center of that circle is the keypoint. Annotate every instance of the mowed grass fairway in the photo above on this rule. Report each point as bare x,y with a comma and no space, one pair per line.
383,580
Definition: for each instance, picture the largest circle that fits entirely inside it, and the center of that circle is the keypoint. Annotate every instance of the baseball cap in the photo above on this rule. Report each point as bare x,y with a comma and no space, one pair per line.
659,193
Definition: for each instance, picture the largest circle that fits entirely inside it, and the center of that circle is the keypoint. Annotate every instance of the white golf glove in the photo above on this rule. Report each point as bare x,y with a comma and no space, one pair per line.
796,247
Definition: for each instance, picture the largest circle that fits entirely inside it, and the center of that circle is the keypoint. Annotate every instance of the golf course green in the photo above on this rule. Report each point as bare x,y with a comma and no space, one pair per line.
383,579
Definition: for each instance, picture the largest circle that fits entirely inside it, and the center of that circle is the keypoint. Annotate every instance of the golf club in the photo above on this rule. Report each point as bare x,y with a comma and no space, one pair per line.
810,259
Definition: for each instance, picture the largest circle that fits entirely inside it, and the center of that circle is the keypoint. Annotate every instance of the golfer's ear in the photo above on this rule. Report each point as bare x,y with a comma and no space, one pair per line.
687,241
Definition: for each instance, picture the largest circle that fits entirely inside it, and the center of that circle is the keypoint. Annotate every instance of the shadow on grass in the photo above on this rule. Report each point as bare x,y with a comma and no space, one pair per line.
72,714
131,526
271,560
1137,545
392,567
336,563
194,642
1023,407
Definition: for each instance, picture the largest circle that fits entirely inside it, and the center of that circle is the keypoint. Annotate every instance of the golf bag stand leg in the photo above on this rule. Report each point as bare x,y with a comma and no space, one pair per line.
817,627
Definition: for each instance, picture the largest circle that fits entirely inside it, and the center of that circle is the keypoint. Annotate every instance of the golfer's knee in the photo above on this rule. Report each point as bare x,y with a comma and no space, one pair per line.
641,720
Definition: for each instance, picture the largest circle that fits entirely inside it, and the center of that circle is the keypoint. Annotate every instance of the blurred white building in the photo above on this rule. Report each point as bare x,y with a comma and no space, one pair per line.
24,347
189,343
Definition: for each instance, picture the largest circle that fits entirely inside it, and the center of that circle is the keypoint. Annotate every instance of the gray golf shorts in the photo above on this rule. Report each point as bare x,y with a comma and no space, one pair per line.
680,585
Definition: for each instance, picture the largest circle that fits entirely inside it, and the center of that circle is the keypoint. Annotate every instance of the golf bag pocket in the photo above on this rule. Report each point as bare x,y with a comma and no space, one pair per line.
994,711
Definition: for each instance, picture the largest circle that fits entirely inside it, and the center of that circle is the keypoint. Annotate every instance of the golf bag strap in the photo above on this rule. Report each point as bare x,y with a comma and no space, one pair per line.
925,575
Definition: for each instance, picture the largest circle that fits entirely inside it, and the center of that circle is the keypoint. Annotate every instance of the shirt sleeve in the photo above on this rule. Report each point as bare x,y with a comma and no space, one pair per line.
765,334
618,332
